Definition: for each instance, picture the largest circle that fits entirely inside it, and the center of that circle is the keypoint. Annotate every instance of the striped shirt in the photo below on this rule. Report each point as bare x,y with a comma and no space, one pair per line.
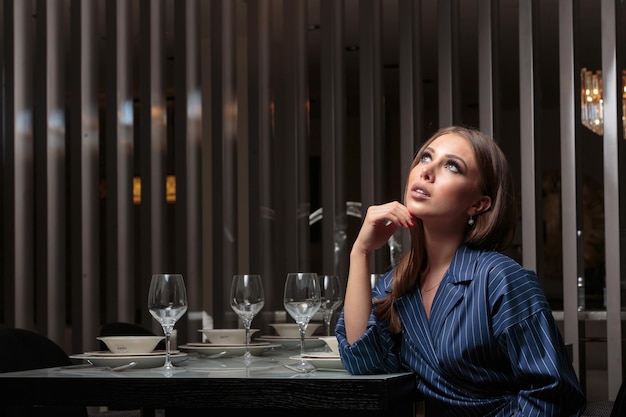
490,348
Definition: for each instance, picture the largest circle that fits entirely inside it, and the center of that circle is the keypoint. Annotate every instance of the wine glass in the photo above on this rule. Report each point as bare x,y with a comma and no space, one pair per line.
247,299
331,296
167,302
302,300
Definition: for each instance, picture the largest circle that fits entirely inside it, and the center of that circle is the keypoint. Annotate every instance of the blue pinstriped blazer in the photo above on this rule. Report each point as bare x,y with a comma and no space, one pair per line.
490,348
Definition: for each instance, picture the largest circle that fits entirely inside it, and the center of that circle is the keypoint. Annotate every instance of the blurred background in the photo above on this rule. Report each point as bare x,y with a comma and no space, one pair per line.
217,137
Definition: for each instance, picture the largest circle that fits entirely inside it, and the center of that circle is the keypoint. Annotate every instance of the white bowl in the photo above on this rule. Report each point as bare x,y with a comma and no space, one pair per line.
292,330
227,336
131,344
332,343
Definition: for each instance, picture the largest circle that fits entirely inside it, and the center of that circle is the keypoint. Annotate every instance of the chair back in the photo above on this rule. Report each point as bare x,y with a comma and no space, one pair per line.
22,350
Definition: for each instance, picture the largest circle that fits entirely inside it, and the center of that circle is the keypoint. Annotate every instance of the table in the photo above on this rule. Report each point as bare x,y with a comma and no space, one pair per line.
215,387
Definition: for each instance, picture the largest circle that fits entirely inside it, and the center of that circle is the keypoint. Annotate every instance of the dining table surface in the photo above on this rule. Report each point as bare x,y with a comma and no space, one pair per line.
204,385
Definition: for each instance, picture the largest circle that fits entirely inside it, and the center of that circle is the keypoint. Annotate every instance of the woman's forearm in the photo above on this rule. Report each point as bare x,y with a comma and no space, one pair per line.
358,299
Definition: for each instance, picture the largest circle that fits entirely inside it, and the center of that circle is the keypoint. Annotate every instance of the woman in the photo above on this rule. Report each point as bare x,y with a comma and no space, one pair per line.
473,325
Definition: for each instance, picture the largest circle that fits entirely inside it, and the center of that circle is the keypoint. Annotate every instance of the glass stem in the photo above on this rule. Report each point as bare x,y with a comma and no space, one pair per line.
168,362
302,333
247,356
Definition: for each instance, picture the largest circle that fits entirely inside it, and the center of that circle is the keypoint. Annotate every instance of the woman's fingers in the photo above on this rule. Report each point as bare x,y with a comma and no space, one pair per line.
391,213
380,223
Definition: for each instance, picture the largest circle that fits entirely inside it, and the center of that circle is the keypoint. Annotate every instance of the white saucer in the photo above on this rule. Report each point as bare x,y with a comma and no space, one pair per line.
320,355
108,353
322,363
294,342
143,361
209,349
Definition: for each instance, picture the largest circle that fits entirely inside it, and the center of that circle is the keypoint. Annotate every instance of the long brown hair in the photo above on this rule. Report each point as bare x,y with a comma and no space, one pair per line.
492,230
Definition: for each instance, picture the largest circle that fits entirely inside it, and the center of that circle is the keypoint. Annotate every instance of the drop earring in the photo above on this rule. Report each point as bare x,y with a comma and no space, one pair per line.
470,221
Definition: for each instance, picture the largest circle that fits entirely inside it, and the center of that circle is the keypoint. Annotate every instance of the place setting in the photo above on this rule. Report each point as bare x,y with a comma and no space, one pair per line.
124,350
227,343
167,303
288,336
247,298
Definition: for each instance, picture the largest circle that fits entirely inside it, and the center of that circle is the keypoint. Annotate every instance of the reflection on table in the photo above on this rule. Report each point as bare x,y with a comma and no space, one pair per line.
222,383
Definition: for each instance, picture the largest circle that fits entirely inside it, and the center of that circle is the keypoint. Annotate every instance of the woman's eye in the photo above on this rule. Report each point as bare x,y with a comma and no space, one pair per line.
453,166
425,157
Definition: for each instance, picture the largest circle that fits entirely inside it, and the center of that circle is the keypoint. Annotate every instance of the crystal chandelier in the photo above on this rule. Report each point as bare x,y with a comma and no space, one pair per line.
591,103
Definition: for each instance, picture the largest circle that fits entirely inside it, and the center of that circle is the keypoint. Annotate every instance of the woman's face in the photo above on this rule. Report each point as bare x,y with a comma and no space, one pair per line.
443,186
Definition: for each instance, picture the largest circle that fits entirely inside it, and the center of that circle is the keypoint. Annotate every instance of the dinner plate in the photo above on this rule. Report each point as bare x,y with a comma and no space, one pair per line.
209,349
108,353
294,342
143,361
320,355
320,362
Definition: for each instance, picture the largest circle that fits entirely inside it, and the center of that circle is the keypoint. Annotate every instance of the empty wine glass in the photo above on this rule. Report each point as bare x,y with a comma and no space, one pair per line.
247,299
167,302
302,300
331,298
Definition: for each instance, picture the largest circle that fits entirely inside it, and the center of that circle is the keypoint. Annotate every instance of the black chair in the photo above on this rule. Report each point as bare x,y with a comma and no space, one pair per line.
119,328
22,350
615,408
619,406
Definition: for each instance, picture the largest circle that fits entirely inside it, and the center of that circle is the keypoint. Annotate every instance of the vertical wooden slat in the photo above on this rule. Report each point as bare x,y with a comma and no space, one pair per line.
151,147
242,154
20,244
52,141
293,140
119,153
527,134
7,264
448,62
40,166
333,118
187,147
570,191
611,80
84,175
411,93
260,145
372,112
206,173
485,66
223,131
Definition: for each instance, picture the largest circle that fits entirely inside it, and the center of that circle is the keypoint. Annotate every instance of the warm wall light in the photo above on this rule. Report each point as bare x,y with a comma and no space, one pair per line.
592,104
170,189
136,190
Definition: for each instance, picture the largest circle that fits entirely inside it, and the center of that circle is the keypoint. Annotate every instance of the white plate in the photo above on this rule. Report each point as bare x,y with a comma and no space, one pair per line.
108,353
294,342
330,363
209,349
143,361
320,355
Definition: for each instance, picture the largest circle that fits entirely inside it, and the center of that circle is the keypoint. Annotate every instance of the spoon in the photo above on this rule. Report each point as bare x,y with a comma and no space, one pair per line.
217,355
123,367
116,368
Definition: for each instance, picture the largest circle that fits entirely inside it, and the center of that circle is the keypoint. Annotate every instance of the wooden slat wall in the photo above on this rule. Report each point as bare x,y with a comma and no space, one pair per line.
99,93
